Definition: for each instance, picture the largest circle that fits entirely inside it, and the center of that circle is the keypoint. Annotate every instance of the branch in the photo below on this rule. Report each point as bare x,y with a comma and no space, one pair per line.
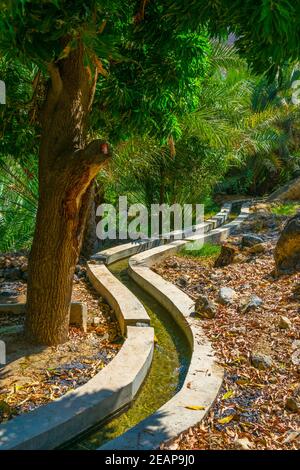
53,93
96,152
93,90
56,80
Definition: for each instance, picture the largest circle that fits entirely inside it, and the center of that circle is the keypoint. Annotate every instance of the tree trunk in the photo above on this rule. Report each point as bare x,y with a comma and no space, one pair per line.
89,243
67,167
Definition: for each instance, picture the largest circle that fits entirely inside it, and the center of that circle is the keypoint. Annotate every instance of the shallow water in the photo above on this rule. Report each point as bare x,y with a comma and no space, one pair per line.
170,363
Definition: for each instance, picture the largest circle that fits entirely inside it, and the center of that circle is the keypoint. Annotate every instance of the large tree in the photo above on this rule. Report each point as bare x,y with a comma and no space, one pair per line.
158,48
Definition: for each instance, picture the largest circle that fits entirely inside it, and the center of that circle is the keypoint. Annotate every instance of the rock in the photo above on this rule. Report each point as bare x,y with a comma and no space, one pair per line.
292,405
12,274
227,255
78,315
285,323
261,207
296,357
251,303
287,250
291,436
261,361
257,249
250,239
78,268
183,281
173,264
296,344
296,291
239,258
289,192
227,296
242,444
205,307
238,330
24,267
96,321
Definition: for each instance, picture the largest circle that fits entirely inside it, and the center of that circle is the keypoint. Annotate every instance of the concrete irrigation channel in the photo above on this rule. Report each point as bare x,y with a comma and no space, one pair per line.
166,375
172,360
139,399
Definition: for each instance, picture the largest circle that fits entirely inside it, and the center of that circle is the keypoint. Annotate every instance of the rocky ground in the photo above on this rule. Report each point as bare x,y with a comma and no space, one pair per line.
36,375
252,319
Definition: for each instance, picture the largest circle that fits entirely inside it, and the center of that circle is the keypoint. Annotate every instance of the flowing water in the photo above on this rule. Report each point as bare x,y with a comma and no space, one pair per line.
170,363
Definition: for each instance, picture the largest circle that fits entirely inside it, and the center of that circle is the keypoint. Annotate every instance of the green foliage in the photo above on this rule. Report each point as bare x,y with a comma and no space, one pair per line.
18,158
275,157
18,203
208,250
162,77
267,31
288,209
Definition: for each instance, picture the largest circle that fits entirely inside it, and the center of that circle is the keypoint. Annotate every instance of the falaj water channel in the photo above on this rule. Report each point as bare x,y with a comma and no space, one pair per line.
169,367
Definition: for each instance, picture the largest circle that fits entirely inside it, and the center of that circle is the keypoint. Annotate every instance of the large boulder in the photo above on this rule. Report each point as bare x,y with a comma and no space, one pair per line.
289,192
287,250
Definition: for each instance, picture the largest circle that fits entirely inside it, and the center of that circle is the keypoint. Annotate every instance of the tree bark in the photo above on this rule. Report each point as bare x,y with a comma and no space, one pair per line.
67,167
89,244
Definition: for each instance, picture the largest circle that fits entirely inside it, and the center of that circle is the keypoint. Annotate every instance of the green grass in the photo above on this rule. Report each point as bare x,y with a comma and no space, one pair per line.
195,250
289,209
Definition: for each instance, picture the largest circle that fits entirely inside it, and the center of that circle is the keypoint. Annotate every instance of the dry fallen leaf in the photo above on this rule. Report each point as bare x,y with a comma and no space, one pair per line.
191,407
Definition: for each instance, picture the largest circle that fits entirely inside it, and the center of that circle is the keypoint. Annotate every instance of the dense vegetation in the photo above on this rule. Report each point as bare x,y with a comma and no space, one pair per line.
184,115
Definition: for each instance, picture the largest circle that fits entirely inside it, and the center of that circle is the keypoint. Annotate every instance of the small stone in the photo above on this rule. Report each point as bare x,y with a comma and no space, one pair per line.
250,239
261,361
183,281
242,444
78,315
292,405
227,295
238,330
227,255
238,259
205,307
78,268
24,267
96,321
296,344
285,323
273,380
251,303
256,249
296,292
291,436
296,357
173,264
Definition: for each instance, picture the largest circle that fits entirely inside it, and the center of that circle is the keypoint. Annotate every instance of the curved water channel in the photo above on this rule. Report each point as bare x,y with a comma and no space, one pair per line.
169,366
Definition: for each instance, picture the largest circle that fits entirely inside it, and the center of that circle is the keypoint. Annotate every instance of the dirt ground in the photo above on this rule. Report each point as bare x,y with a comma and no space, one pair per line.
35,375
257,408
